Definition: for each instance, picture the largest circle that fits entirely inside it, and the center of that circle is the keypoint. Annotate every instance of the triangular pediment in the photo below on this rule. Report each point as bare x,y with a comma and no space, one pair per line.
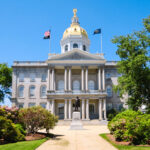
76,55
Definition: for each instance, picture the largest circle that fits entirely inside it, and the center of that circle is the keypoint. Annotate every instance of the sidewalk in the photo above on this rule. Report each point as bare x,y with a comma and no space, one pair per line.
87,139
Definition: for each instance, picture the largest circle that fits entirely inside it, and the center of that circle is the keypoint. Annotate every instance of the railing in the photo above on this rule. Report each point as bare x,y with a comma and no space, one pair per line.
74,92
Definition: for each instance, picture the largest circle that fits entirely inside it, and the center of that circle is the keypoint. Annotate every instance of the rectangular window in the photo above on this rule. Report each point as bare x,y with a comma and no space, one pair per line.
21,77
21,105
43,105
32,77
108,75
43,79
109,106
31,104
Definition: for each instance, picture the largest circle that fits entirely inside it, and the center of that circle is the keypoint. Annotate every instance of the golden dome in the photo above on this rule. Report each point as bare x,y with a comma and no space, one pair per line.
75,28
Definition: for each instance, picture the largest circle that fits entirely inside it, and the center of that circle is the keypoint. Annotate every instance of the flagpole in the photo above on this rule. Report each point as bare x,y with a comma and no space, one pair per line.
101,43
50,42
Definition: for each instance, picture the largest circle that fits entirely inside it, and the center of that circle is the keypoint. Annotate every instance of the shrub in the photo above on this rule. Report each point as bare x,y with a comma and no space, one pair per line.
131,126
111,114
36,118
11,113
9,131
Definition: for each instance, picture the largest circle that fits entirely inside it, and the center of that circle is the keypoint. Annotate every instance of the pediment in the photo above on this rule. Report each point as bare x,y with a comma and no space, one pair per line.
76,55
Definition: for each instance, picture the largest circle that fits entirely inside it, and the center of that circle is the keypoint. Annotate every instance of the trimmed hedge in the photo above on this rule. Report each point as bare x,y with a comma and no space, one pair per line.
131,126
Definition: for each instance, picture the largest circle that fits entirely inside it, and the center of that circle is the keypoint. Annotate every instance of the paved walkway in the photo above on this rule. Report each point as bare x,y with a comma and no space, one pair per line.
87,139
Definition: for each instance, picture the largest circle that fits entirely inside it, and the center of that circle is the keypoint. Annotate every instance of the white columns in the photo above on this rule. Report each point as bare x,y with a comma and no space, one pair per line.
100,109
104,108
65,79
48,105
69,79
87,109
103,74
52,107
65,109
52,79
99,79
83,109
48,78
86,79
70,109
82,79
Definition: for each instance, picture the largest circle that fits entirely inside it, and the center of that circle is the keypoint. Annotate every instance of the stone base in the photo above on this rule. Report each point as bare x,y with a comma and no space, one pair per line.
76,123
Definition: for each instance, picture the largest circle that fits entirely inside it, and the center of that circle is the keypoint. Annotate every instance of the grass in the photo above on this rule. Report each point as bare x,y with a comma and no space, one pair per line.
124,147
25,145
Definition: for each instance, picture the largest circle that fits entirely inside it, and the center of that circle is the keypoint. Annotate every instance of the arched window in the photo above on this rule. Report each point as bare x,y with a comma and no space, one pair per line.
91,85
75,45
109,91
21,91
84,47
76,85
60,85
32,91
66,48
43,91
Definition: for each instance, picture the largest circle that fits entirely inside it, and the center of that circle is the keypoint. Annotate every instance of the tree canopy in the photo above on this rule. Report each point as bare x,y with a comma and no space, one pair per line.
134,52
5,81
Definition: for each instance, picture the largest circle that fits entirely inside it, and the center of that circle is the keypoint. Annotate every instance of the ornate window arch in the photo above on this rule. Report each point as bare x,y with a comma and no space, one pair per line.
21,91
60,85
91,85
75,45
84,47
66,48
32,91
43,91
109,91
76,85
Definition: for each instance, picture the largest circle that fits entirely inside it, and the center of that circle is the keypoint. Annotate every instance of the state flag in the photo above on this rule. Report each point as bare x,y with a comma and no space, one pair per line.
97,31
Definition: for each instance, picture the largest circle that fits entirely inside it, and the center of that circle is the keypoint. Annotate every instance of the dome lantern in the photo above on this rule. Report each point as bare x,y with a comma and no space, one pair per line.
74,36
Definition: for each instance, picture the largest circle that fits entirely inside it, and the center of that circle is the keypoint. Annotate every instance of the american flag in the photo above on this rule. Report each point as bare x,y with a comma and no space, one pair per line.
47,35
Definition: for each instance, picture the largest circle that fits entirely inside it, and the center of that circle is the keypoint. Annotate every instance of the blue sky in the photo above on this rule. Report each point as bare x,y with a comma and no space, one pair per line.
23,23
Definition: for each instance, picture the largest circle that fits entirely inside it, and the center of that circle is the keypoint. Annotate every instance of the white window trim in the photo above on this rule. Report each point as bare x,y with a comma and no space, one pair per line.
42,78
21,97
111,91
32,97
41,91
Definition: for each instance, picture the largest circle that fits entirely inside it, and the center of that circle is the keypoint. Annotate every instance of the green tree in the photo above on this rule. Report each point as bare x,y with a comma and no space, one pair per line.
134,52
5,81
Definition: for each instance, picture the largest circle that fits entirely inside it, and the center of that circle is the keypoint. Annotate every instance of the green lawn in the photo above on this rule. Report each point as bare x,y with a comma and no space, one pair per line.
122,147
26,145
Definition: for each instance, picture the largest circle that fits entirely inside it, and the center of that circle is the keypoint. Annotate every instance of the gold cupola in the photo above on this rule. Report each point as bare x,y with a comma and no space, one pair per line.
74,37
75,28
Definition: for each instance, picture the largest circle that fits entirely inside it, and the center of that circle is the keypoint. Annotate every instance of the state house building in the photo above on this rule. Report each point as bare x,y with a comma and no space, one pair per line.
55,83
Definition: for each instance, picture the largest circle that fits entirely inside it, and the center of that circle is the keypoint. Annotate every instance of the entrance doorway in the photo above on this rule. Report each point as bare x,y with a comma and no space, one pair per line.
61,110
92,111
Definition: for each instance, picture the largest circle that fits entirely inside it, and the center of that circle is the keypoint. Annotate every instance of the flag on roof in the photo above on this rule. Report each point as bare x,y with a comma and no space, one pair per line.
47,35
97,31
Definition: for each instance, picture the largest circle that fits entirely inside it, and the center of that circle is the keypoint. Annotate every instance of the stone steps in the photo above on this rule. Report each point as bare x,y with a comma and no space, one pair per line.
84,122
